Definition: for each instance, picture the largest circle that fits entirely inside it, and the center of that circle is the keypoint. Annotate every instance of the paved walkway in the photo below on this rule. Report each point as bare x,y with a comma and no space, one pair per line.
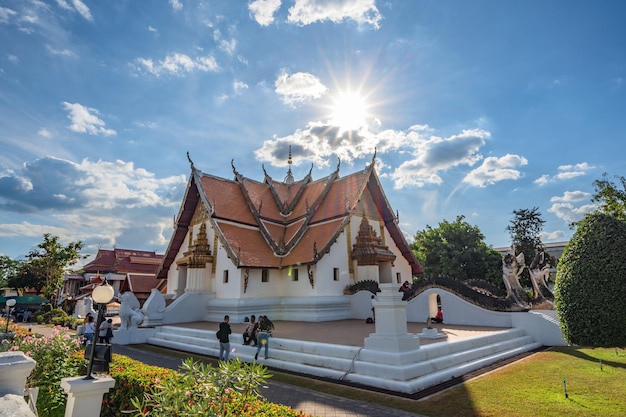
298,398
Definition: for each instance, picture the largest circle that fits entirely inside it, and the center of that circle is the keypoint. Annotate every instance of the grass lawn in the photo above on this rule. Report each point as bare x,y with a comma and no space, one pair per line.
534,387
528,388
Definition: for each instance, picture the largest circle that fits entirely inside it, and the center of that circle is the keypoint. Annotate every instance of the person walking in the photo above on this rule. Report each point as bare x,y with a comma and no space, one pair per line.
106,332
223,335
90,329
265,332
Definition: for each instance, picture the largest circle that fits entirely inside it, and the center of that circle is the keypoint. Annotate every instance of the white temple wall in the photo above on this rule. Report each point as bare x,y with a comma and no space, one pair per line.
225,269
400,266
324,273
299,288
257,288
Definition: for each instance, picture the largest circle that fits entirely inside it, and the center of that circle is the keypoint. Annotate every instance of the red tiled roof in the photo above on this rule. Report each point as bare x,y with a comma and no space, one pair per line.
122,261
140,283
256,230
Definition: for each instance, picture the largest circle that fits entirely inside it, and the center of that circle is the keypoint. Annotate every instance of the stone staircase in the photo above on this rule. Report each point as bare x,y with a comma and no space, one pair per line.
405,372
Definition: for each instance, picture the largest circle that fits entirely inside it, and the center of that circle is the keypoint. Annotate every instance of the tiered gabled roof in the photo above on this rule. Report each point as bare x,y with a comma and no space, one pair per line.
273,224
122,261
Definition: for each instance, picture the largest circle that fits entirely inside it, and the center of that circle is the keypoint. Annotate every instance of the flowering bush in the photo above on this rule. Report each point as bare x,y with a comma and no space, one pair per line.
201,390
132,380
58,356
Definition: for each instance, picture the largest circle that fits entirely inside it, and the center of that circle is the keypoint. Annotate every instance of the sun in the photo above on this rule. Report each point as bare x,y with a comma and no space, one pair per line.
349,111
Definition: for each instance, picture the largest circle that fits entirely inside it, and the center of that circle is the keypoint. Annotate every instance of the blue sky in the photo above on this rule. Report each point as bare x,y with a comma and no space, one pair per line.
476,108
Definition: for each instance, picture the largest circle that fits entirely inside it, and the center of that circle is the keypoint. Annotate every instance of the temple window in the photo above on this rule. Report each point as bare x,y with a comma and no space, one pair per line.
265,275
294,274
335,274
398,277
225,276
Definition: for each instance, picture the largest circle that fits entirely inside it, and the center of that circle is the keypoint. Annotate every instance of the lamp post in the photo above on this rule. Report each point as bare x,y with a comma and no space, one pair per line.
10,303
101,295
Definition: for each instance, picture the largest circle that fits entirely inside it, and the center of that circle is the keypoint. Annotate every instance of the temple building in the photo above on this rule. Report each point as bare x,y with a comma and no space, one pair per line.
287,248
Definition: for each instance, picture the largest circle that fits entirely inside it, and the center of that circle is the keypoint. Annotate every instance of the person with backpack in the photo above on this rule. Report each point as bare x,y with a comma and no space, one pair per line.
265,331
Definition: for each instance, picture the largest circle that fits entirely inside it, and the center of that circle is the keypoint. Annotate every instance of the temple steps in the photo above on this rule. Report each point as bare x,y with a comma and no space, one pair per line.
406,372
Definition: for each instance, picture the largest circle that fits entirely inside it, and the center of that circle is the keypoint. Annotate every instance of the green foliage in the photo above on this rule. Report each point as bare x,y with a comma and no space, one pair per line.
8,269
57,317
457,250
132,380
57,356
44,268
201,390
591,283
612,199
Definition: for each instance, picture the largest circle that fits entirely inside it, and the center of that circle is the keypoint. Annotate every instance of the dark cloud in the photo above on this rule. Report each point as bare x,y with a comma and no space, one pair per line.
44,184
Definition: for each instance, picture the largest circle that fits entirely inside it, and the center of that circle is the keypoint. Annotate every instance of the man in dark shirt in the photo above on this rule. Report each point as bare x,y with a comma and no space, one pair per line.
224,333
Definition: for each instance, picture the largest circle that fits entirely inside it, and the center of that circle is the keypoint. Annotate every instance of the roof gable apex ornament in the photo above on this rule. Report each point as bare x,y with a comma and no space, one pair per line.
238,177
289,177
190,161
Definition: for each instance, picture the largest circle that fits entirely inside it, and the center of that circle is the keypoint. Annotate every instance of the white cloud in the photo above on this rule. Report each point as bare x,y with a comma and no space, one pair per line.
13,59
99,202
178,64
570,213
6,14
437,154
76,6
86,120
555,236
566,172
60,52
152,29
239,86
494,170
305,12
263,11
227,46
543,180
176,5
44,133
320,142
299,87
571,197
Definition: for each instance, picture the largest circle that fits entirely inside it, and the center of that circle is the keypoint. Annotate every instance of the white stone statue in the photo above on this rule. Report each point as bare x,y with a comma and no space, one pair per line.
539,272
512,268
153,309
130,313
82,309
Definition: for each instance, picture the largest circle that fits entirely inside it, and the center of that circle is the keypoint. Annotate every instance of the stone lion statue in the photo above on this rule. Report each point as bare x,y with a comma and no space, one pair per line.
130,313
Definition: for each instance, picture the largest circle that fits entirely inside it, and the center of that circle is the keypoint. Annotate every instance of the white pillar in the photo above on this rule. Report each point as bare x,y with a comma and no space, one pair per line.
391,328
84,397
14,369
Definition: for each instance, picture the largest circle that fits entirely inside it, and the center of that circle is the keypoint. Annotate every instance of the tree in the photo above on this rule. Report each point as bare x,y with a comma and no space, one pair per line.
47,264
525,231
457,250
612,199
8,269
591,283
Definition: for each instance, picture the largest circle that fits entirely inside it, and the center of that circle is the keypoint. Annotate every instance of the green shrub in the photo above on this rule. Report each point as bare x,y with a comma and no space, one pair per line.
201,390
57,356
132,380
591,283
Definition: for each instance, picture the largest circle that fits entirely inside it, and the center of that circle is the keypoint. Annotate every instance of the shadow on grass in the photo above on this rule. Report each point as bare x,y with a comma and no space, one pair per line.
582,355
